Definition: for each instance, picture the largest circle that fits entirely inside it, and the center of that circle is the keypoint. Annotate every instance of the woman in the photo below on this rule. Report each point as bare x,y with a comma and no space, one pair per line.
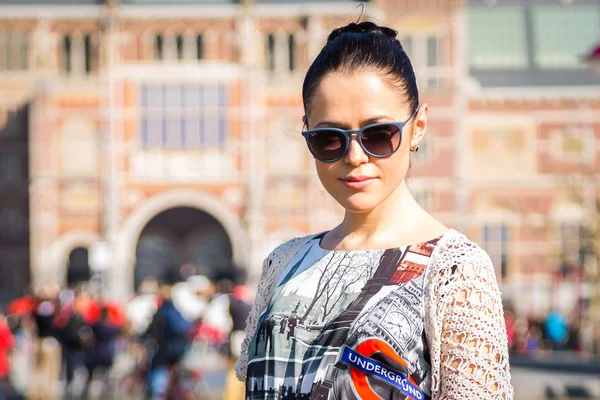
390,303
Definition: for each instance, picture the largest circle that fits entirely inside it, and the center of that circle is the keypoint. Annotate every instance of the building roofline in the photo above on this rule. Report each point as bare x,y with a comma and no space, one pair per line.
30,11
324,8
338,8
141,11
535,92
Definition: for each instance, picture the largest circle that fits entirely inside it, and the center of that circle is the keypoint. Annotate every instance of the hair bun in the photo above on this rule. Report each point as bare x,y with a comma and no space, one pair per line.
363,27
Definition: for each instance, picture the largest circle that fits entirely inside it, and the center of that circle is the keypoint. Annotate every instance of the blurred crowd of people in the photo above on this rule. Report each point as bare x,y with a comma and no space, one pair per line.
553,332
72,343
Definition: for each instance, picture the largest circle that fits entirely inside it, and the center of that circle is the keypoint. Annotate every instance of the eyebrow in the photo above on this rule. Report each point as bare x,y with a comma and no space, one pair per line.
341,125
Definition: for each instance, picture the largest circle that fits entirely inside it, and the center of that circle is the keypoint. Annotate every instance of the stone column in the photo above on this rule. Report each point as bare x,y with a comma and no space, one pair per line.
282,53
249,41
315,36
77,54
210,42
190,46
170,46
113,151
43,191
462,146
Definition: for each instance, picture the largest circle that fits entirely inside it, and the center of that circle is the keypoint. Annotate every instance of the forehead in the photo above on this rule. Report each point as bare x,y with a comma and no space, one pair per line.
354,97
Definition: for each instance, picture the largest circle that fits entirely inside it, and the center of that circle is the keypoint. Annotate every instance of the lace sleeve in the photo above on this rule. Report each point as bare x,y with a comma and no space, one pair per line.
259,304
473,349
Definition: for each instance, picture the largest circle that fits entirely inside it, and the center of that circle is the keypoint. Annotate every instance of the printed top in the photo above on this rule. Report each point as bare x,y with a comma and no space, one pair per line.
344,325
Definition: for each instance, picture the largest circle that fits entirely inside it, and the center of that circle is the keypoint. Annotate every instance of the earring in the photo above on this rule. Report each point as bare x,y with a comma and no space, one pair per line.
415,149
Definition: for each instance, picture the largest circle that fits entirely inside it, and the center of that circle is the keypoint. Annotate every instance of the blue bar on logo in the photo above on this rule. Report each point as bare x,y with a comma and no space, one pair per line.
381,372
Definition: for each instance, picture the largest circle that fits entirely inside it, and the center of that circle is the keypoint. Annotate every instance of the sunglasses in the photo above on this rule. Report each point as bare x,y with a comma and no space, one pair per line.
378,140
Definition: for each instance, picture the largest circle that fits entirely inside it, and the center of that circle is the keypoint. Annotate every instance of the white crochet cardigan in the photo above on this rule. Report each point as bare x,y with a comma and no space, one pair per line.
464,320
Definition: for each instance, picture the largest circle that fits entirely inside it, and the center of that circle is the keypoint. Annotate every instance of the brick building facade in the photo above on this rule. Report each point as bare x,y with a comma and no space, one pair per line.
170,130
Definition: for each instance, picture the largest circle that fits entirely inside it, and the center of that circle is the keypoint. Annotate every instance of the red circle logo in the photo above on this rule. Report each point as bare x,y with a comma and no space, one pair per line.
367,348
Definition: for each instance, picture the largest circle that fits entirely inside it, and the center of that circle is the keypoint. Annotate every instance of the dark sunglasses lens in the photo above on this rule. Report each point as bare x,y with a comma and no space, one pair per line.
381,140
326,144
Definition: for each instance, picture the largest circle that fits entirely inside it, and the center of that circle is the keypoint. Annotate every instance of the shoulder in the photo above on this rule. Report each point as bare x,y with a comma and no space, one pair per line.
458,258
280,256
457,250
289,248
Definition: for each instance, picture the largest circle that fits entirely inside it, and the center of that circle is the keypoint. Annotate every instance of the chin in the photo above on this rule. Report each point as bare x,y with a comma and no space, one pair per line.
359,202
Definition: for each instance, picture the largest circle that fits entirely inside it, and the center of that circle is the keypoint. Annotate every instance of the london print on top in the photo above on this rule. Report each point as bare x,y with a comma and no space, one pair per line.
344,325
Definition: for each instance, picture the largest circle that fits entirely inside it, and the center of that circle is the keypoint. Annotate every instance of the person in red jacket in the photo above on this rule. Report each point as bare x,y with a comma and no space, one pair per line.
7,343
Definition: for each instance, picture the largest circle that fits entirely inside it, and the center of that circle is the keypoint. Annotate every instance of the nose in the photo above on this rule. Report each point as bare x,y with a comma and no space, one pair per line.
355,155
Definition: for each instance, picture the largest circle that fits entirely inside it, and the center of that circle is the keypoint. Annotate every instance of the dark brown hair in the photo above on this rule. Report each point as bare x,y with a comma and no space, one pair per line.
360,47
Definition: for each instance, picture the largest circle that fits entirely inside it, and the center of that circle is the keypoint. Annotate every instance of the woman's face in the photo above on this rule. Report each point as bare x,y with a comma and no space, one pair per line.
357,181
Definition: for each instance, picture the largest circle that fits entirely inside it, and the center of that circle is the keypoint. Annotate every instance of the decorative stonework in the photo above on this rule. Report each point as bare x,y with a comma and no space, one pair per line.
500,164
79,148
80,199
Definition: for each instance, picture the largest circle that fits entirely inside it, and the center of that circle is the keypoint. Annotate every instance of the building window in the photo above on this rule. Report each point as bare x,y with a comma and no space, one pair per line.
87,44
77,53
67,54
199,47
433,60
180,47
13,51
292,52
497,38
270,52
495,242
281,52
183,116
159,47
564,34
424,52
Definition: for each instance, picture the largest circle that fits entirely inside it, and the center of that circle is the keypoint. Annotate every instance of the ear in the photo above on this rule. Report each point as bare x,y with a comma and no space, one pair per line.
420,126
305,121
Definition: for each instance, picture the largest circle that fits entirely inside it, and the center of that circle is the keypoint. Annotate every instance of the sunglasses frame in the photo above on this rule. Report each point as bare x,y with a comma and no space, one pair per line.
358,132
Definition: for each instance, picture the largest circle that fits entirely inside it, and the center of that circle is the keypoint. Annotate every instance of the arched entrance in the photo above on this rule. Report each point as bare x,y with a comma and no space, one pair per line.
183,235
78,268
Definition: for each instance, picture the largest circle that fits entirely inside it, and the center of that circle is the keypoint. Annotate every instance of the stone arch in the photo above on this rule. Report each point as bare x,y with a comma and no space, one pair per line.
126,241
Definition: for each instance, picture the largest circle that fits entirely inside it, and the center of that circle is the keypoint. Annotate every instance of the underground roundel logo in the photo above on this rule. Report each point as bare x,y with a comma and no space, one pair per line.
363,366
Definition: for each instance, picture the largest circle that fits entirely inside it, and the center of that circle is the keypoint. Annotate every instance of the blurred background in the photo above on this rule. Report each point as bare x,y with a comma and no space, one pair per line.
145,142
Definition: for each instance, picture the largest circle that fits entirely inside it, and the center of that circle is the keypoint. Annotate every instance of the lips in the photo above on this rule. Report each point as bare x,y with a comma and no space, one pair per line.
356,178
357,182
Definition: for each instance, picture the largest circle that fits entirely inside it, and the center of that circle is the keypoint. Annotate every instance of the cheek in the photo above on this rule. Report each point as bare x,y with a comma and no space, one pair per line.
394,169
325,172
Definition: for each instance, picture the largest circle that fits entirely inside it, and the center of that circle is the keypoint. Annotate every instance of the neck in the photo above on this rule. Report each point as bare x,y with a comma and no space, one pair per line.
397,217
